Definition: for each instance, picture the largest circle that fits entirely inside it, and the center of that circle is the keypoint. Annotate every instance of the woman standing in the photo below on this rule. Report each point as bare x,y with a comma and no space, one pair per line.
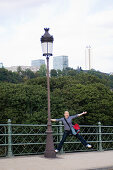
67,121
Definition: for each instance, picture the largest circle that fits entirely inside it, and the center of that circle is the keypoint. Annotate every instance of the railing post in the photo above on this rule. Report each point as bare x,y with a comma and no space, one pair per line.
5,141
60,134
57,134
100,137
97,131
9,139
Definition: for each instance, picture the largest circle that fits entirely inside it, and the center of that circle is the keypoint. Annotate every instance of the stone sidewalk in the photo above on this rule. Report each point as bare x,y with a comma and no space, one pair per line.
71,161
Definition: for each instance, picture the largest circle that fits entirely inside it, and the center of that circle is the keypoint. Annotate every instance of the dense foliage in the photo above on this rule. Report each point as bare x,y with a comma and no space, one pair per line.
23,95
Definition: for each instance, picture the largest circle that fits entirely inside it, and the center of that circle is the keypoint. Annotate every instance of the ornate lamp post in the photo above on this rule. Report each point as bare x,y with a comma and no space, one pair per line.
47,47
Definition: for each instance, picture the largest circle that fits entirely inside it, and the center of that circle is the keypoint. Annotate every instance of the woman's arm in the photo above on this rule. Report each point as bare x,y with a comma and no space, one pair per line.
82,114
53,120
56,120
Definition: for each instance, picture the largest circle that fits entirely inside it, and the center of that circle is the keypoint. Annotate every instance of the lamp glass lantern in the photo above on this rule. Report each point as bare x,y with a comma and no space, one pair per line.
47,43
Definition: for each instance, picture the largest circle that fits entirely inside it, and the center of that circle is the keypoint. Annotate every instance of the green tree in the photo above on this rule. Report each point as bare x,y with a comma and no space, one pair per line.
81,91
19,70
53,73
59,73
28,74
9,76
20,103
42,70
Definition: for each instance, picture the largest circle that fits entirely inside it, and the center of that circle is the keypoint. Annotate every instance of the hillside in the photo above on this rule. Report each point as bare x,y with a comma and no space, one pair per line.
24,100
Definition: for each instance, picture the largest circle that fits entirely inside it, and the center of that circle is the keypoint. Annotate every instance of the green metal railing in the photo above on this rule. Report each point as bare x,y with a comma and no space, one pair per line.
25,139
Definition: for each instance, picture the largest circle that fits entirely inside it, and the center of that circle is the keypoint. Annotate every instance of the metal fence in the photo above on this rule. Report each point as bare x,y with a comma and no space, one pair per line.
24,139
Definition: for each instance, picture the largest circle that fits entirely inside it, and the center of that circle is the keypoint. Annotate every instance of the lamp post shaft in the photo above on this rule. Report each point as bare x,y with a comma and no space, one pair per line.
48,91
49,151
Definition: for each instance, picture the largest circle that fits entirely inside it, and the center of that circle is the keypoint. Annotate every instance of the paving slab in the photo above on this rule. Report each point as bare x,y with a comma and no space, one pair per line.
68,161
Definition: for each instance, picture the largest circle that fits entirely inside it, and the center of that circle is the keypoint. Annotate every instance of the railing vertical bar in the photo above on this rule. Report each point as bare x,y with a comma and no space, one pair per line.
100,137
57,135
5,141
10,154
60,134
97,130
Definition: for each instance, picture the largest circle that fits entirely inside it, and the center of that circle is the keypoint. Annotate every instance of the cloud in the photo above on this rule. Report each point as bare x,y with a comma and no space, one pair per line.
16,5
22,39
72,23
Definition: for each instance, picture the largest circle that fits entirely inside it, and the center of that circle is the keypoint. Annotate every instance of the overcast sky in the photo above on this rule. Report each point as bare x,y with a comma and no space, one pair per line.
73,23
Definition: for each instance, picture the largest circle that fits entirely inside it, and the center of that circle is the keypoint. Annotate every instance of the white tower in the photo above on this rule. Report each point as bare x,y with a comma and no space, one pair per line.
88,57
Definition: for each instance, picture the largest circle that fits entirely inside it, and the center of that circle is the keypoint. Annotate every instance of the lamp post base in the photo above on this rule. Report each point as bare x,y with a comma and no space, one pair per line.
49,151
50,154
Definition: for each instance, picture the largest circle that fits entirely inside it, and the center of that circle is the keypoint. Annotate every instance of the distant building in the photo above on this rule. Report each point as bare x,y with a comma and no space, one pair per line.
37,63
14,68
60,62
1,65
111,73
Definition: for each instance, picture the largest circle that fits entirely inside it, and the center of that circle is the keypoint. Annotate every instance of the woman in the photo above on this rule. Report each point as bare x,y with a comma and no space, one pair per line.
67,121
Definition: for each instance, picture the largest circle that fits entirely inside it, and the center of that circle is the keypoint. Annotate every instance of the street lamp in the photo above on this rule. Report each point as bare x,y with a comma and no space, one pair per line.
47,47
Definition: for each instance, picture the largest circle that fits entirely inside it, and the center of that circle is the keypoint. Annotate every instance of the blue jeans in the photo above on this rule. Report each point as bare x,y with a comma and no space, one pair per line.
66,134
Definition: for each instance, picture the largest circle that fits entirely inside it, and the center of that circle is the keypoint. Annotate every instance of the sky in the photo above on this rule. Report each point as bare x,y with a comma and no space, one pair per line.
74,25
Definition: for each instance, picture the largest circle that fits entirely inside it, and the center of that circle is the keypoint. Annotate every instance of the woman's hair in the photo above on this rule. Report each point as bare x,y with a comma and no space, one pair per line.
66,111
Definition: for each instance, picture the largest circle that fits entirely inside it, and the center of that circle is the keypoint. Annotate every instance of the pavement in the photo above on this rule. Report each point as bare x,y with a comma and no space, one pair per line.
68,161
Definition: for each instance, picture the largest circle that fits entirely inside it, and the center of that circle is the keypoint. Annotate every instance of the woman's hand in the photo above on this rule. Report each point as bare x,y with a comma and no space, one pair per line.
84,113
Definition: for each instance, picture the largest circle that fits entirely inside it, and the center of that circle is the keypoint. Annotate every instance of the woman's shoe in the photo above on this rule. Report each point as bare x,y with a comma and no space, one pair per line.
89,146
56,150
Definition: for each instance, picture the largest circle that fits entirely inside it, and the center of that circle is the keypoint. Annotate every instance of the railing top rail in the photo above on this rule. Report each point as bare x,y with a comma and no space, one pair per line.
23,125
88,125
3,124
28,125
107,126
46,125
57,125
